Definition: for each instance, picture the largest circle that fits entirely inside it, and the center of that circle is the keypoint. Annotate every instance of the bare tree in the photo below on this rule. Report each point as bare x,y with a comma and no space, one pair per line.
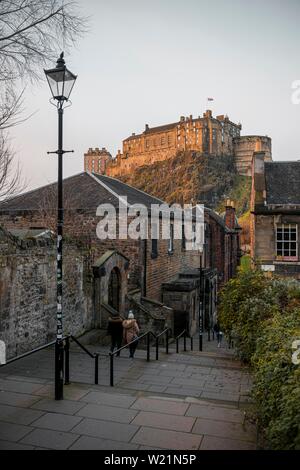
32,34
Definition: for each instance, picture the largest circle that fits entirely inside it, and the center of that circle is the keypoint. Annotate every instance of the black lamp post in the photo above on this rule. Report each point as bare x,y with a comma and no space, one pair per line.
61,82
200,305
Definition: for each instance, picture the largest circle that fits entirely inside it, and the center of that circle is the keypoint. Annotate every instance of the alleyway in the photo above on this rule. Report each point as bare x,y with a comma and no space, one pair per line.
186,401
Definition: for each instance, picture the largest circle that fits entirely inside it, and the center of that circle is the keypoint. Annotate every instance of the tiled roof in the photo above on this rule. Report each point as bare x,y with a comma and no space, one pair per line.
283,183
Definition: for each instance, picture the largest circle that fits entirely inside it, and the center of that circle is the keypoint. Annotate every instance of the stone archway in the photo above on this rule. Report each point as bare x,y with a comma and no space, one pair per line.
110,286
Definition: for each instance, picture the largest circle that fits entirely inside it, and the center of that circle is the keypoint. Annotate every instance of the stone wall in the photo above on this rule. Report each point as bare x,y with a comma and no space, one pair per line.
28,293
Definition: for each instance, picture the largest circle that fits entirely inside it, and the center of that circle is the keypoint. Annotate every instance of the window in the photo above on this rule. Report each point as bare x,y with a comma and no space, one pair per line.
286,242
171,240
163,141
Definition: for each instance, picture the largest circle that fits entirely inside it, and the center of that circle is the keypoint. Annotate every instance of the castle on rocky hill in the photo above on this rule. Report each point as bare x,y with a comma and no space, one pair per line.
207,135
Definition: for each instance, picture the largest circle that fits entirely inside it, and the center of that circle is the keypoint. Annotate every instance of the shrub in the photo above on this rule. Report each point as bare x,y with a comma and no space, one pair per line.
265,315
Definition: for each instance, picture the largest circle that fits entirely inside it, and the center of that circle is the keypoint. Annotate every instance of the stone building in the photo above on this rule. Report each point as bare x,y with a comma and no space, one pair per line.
275,216
207,134
102,276
96,160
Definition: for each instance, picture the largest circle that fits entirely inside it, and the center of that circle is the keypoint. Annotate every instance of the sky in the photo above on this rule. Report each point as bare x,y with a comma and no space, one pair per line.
151,61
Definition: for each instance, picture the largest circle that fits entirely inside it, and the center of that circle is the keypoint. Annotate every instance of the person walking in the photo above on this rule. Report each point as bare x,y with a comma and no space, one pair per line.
130,332
115,330
218,332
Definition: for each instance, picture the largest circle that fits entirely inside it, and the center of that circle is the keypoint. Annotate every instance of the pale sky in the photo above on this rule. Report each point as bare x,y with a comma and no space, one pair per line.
151,61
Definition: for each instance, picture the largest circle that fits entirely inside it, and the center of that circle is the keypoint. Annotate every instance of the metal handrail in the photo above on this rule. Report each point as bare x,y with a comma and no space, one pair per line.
184,334
147,334
40,348
94,356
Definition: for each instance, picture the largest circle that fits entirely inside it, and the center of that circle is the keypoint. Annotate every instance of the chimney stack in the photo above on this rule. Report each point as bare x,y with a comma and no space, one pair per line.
230,219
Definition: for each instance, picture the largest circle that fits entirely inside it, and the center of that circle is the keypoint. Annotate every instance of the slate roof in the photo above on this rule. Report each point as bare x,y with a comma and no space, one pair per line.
84,191
283,183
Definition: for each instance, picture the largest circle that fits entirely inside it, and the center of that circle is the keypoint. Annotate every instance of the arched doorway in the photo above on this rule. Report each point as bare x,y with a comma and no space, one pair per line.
114,286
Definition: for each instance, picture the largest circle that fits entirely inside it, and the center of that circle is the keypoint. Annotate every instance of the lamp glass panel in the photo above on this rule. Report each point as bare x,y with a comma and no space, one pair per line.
68,83
56,82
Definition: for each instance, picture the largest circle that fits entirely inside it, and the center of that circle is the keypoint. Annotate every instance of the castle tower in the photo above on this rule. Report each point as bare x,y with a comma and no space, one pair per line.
96,160
244,148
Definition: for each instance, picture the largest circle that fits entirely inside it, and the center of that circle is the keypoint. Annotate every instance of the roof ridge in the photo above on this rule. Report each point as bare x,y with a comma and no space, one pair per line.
133,187
108,188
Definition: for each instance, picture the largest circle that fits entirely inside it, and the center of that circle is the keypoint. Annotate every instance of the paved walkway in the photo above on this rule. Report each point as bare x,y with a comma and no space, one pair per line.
183,401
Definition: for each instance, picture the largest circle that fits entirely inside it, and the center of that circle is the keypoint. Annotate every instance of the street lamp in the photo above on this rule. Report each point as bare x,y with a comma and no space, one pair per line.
61,82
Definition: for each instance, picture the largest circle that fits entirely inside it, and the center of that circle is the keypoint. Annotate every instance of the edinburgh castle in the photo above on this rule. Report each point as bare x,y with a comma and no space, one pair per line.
209,135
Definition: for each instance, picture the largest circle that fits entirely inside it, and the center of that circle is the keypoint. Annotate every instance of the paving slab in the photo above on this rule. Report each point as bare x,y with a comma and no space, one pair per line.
17,399
167,439
107,413
57,422
111,399
161,406
164,421
50,439
26,378
13,432
93,443
190,392
215,413
134,385
157,388
16,415
6,445
67,407
220,396
218,443
224,429
154,379
106,429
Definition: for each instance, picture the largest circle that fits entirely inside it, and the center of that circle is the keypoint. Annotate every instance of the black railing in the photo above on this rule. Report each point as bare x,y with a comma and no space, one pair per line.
184,335
148,334
94,356
21,356
66,339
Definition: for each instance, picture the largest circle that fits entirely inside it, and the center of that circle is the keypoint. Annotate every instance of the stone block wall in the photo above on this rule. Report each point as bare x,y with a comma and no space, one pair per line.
28,293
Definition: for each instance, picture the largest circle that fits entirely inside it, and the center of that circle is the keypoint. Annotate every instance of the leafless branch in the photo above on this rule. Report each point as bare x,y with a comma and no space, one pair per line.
32,35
